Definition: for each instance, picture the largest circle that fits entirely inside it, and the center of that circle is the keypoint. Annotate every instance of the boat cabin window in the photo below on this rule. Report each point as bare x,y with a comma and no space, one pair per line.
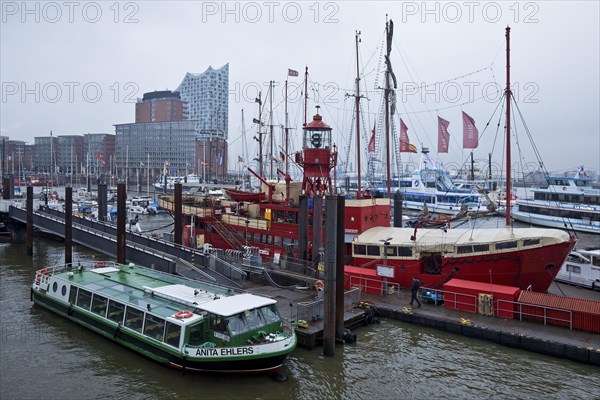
154,327
73,294
476,248
391,251
373,250
116,311
464,249
134,319
270,314
99,305
531,242
360,249
84,299
506,245
236,324
481,247
55,287
172,334
197,335
218,324
574,268
559,182
253,319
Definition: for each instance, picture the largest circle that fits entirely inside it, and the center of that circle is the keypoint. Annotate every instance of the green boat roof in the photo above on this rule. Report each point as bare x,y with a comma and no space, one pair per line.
163,294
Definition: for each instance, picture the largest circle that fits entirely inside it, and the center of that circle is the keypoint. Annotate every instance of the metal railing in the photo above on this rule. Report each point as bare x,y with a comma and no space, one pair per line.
370,285
517,308
548,315
314,310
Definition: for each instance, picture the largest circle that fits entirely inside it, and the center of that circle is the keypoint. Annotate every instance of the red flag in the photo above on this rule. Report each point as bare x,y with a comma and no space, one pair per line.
292,72
371,146
100,157
470,133
405,146
443,135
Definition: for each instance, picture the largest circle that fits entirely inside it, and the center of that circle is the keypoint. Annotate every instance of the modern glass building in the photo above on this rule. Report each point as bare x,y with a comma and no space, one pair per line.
207,96
155,145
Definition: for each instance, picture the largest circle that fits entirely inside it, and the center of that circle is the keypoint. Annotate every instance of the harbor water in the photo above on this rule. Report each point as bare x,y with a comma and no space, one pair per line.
45,356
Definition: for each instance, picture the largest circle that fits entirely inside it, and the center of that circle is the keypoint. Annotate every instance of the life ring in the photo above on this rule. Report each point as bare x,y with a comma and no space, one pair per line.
319,285
98,264
183,314
39,274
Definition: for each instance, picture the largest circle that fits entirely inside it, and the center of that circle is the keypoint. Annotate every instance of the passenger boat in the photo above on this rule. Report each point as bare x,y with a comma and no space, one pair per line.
565,202
184,324
432,186
581,268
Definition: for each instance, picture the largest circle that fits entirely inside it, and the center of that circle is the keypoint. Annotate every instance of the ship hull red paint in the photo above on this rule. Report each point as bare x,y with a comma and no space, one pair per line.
533,269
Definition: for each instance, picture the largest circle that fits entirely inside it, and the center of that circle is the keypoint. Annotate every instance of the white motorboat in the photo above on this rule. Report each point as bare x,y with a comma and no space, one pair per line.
581,268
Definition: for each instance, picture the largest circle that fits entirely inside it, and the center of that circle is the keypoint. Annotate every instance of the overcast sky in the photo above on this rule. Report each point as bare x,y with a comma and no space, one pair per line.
78,67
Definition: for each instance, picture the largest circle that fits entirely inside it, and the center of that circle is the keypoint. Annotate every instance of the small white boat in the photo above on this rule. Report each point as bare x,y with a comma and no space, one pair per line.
581,268
141,205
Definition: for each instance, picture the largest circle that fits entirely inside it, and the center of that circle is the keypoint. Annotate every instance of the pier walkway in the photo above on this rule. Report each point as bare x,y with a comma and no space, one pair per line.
143,250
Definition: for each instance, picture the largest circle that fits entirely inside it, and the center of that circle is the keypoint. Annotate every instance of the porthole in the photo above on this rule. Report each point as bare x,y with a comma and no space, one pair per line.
64,290
54,287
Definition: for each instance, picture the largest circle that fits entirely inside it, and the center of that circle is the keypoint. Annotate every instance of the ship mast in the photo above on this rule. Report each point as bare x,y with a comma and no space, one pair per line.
305,95
244,152
271,127
287,166
357,107
260,143
508,94
388,34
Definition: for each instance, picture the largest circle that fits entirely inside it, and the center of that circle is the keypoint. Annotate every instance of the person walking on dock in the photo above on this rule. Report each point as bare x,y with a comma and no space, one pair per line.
414,289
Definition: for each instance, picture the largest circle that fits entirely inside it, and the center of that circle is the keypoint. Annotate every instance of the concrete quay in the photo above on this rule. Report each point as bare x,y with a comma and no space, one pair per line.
550,340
